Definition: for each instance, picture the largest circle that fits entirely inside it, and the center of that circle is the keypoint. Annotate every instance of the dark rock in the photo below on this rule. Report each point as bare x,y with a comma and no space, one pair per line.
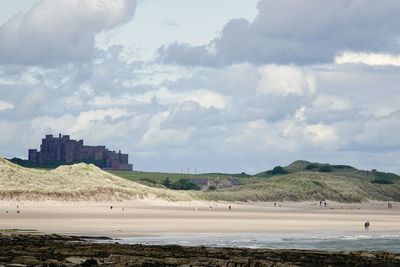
89,262
56,250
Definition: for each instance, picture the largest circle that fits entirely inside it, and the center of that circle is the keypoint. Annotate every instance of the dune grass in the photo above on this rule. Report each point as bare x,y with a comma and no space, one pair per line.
80,181
157,178
88,182
309,186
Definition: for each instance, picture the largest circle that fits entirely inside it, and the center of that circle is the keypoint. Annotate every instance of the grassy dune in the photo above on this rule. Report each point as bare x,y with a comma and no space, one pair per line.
309,186
87,182
74,182
156,178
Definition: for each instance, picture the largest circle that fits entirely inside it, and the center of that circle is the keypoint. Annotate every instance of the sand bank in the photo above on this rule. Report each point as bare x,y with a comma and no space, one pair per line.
140,218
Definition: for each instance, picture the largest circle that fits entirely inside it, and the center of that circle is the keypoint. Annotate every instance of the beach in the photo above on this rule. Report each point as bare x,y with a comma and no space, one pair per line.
162,233
156,218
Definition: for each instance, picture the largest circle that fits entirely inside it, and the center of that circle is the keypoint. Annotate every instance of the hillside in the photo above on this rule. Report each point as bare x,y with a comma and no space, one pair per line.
302,186
337,170
74,182
87,182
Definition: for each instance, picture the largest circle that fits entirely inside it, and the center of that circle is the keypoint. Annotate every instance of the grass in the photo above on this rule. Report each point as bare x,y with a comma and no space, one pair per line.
340,185
18,230
82,181
308,186
157,178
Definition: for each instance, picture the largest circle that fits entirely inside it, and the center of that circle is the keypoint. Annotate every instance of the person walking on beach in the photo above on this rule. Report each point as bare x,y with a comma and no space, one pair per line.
366,225
229,207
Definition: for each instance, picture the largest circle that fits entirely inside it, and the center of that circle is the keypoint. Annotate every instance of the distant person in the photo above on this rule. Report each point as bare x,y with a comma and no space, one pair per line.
275,204
230,208
325,204
123,209
366,225
111,207
320,203
210,208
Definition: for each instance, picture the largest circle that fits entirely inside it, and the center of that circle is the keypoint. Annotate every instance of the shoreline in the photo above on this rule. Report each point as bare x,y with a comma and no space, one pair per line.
160,233
58,250
149,218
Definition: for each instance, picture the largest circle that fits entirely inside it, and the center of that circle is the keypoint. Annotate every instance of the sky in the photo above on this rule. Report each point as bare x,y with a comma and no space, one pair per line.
206,86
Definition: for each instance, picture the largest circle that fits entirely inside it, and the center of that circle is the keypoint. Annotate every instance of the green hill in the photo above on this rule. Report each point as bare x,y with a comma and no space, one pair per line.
338,170
302,181
301,186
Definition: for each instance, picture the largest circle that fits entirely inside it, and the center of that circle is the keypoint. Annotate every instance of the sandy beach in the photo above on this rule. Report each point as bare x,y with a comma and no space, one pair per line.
143,218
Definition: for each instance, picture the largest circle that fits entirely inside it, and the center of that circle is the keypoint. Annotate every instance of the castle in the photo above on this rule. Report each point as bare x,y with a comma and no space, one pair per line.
63,150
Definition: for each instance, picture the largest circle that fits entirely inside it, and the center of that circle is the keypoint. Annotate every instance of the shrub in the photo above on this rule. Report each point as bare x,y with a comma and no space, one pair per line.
185,184
381,180
325,168
342,167
278,170
167,182
311,166
148,180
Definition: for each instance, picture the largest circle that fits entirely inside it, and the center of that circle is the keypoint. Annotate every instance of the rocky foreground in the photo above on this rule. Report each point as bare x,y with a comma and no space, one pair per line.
55,250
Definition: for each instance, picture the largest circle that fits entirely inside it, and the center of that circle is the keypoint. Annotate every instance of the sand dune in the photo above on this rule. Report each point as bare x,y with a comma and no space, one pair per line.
88,182
74,182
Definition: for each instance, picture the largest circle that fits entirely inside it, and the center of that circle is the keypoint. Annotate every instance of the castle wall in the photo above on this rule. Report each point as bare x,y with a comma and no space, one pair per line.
62,149
70,152
33,155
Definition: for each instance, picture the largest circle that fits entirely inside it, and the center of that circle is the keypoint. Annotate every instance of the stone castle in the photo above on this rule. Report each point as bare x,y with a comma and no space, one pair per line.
63,150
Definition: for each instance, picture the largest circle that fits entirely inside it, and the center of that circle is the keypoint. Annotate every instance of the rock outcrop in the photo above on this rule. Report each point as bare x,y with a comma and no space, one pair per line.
54,250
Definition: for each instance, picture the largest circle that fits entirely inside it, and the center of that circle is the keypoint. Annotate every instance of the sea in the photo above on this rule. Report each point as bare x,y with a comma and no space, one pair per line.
389,242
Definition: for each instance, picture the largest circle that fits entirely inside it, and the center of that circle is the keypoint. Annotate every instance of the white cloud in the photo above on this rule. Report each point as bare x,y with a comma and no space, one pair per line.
372,59
87,118
58,31
255,137
207,99
301,32
324,135
5,105
84,121
203,97
285,80
381,132
156,135
331,103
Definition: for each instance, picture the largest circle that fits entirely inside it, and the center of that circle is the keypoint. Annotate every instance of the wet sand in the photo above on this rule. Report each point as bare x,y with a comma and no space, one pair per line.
143,218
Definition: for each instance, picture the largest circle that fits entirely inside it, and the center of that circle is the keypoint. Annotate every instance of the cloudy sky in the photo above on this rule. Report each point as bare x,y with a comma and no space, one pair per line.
216,85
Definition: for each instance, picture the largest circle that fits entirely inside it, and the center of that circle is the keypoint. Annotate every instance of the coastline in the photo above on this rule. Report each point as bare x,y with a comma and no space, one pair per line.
55,250
149,218
162,233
